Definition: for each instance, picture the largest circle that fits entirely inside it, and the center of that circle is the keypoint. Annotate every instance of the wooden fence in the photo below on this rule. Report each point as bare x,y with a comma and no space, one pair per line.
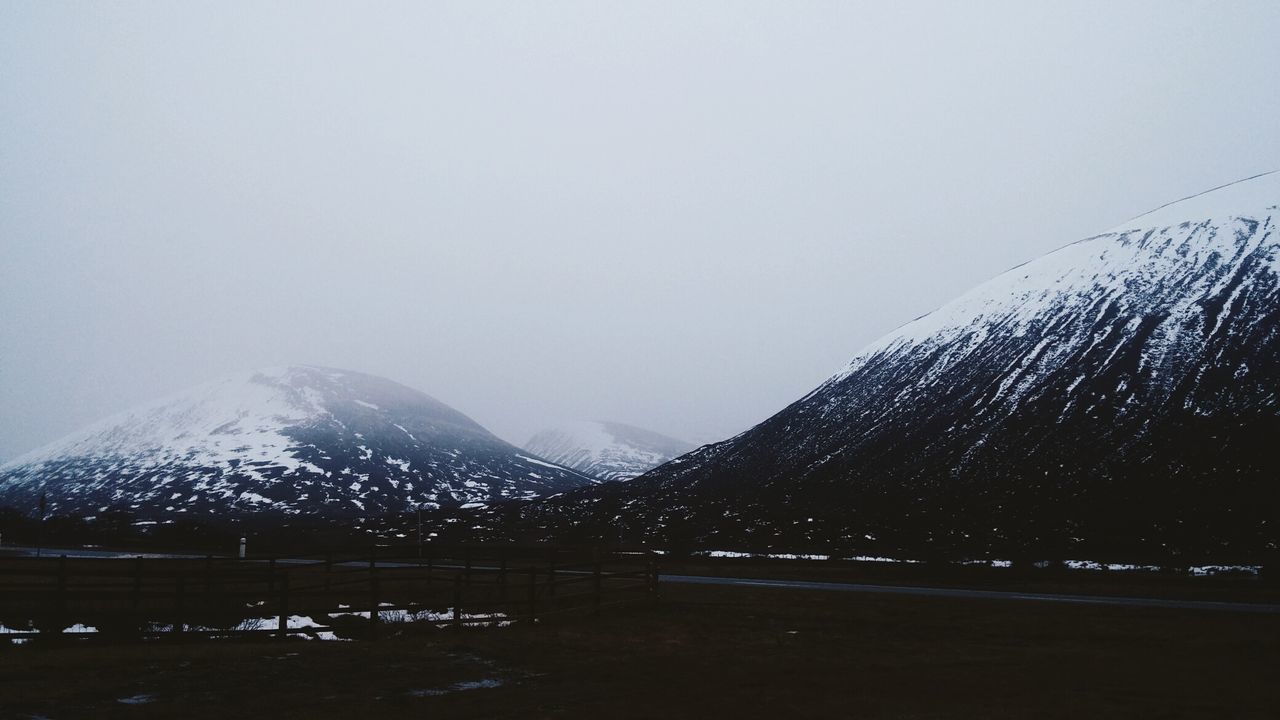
351,593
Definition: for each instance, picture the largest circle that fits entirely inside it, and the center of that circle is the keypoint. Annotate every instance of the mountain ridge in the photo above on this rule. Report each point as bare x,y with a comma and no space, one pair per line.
1114,395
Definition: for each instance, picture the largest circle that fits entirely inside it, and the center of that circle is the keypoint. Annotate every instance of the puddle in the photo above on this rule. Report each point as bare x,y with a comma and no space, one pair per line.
484,684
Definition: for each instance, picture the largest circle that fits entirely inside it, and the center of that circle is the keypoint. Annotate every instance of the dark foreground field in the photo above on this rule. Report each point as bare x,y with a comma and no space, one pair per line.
700,652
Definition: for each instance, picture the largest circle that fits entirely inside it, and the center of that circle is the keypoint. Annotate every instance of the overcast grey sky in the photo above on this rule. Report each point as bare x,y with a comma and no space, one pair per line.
678,215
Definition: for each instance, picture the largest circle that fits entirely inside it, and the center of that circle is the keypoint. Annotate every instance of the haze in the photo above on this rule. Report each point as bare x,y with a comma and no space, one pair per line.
680,216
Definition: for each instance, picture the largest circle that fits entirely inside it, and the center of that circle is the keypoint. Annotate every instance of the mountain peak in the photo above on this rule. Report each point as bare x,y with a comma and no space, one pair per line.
1144,263
606,450
296,440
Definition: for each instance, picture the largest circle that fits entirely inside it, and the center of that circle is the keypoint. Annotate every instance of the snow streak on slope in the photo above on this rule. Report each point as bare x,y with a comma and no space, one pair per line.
235,418
293,440
606,450
1183,256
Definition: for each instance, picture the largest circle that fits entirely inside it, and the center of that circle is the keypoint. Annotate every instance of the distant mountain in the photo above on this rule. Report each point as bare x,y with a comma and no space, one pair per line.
1120,396
294,441
606,450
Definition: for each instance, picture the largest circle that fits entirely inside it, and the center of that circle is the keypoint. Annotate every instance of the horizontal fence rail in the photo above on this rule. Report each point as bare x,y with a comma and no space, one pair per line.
349,592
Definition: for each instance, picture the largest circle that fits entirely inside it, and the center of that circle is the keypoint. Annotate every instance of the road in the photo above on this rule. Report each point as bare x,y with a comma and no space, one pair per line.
937,592
86,552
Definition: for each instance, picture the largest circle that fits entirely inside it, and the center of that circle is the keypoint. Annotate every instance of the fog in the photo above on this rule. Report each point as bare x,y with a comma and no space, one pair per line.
680,216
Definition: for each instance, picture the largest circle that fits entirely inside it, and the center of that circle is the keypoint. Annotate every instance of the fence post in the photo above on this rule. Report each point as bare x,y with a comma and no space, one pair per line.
328,571
271,577
596,580
457,601
282,628
467,555
431,563
62,578
61,604
502,579
137,583
652,577
180,606
208,573
533,593
374,594
551,574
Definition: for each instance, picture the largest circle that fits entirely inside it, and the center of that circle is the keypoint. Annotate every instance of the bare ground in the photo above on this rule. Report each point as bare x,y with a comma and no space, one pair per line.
700,652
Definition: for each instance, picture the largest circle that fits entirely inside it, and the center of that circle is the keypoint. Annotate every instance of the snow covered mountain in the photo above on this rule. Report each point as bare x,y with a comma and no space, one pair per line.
1119,395
290,441
605,450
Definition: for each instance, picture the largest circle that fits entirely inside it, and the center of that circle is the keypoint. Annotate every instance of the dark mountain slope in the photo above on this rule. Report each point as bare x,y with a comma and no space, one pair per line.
1117,396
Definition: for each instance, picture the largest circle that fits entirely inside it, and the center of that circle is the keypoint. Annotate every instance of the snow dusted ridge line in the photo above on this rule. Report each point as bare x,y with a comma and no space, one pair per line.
1080,272
286,441
1189,209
